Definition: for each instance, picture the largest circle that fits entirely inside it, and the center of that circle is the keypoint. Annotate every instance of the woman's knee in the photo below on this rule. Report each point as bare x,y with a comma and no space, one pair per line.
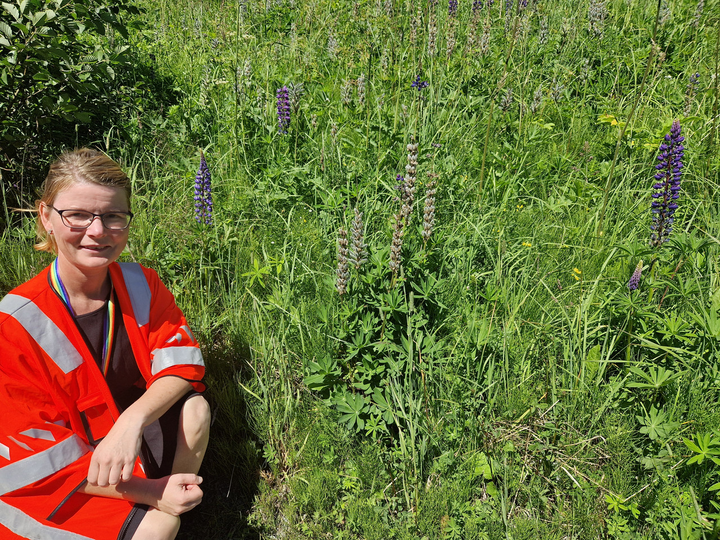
195,416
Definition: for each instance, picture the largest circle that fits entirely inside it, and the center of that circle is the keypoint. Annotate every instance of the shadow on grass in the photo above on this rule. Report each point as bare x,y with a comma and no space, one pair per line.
231,467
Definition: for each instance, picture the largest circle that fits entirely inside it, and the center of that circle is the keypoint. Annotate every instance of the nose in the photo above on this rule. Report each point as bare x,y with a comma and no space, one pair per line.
96,227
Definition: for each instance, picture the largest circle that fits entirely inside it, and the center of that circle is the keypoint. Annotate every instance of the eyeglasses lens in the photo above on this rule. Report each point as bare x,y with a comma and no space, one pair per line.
82,220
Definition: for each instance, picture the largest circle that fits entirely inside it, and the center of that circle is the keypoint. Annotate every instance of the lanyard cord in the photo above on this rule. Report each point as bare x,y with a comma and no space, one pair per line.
108,326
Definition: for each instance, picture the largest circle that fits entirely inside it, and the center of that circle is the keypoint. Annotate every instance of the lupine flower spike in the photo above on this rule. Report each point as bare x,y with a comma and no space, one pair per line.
203,194
634,282
358,249
343,269
698,13
361,89
597,12
283,109
429,210
667,187
407,198
432,34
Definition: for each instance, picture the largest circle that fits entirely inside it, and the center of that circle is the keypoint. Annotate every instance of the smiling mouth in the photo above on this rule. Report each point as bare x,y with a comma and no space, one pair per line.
95,248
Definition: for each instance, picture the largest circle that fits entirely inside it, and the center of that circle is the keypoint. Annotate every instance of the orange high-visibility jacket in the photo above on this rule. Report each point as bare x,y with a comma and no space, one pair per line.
55,404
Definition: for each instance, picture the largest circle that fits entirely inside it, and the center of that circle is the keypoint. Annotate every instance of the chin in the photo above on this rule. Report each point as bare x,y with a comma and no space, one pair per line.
94,261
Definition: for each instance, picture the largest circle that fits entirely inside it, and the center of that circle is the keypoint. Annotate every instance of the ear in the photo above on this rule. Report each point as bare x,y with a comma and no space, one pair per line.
44,211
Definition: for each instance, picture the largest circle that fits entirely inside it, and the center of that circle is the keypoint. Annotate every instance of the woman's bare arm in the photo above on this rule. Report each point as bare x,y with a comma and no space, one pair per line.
174,494
114,458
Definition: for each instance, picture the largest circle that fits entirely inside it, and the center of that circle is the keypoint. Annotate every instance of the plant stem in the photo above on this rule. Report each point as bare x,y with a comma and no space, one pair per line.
497,90
677,268
716,99
608,184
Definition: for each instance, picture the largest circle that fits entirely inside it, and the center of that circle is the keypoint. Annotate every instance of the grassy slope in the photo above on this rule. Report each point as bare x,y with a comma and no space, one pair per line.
529,421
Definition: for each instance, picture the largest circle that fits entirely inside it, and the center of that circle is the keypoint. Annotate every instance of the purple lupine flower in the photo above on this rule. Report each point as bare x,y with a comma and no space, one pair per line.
417,83
400,186
667,187
283,109
452,8
477,6
634,282
203,193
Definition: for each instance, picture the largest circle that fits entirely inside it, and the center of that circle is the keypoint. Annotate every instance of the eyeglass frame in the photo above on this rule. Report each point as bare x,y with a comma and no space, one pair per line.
101,216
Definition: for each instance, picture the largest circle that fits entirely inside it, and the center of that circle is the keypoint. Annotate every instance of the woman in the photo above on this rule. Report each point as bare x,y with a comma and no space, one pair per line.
103,429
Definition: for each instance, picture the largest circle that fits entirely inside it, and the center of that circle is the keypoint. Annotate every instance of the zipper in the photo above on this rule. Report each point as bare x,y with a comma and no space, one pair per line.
67,497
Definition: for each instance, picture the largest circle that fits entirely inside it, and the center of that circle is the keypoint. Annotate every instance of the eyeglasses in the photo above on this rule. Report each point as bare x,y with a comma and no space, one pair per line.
80,219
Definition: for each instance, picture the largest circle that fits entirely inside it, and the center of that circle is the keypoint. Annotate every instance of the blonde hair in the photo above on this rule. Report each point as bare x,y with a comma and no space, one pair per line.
86,166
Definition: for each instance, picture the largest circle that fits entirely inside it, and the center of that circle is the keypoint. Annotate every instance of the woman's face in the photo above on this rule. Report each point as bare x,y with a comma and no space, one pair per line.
93,248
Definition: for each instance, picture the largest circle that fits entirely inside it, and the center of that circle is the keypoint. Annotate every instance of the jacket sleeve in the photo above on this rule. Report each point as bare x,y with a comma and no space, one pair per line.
40,454
173,347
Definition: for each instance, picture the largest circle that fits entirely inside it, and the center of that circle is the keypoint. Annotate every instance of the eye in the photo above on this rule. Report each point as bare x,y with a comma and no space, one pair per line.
76,214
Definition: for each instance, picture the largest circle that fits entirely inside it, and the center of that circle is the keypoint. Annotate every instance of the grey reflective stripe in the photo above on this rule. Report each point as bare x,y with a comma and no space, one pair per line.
139,291
175,356
20,444
43,330
43,434
38,466
26,527
5,451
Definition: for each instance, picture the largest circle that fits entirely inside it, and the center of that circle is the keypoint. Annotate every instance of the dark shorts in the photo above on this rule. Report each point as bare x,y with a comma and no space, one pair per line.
156,454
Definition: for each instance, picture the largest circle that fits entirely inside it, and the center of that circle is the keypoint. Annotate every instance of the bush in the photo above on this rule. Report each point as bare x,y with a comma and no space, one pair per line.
58,61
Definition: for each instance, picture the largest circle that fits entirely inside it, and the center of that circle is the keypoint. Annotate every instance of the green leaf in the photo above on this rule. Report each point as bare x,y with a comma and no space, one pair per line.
352,406
5,29
491,489
12,10
691,445
83,116
481,466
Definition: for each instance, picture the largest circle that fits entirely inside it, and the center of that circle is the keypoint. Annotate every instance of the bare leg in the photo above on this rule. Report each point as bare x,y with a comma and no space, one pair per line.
193,435
157,525
192,441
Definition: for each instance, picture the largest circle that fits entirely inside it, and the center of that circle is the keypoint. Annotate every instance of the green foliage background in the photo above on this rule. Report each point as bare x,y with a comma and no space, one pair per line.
505,382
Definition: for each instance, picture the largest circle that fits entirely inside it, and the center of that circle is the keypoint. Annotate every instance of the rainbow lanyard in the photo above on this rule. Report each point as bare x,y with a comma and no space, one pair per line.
109,326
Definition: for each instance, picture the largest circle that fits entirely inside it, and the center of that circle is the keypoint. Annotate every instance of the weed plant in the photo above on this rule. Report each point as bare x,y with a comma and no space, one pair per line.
413,295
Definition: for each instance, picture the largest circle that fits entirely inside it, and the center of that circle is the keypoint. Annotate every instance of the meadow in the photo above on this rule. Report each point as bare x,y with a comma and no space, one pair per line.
447,282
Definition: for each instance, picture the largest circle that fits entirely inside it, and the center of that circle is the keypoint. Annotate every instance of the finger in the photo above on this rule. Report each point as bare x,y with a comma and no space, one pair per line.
92,476
187,479
114,475
127,472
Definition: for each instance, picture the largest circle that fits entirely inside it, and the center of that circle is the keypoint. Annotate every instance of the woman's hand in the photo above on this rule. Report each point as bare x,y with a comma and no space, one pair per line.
174,494
114,458
177,493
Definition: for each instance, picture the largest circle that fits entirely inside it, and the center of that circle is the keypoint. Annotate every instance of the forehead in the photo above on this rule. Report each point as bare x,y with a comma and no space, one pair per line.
86,196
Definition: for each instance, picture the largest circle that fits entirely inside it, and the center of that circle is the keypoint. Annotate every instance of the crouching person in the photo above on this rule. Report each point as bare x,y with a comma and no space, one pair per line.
103,425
